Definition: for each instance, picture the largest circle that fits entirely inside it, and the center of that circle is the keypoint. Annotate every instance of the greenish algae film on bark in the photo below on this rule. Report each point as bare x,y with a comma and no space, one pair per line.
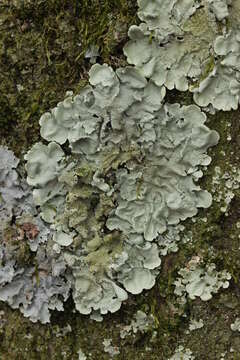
42,47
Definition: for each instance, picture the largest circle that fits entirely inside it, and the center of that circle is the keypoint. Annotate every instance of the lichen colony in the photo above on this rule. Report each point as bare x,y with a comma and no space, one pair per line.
118,166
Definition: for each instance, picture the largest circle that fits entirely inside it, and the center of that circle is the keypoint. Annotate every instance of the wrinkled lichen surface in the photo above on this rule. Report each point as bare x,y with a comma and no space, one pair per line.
214,236
135,168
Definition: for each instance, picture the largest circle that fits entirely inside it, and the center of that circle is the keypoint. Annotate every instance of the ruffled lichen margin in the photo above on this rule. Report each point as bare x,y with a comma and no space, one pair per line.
219,234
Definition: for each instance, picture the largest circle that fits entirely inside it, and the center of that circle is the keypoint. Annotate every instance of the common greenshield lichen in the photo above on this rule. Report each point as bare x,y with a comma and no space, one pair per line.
221,87
195,280
189,45
130,176
140,323
171,47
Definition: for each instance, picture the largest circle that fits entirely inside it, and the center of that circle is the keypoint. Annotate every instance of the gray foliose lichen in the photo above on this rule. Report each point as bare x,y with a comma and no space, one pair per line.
30,275
117,171
190,45
182,354
130,177
195,280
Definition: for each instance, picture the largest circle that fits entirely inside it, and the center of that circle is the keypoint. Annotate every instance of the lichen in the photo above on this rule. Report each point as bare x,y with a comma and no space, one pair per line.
171,47
182,354
184,47
144,186
195,281
221,87
81,355
236,325
30,275
140,323
195,324
109,348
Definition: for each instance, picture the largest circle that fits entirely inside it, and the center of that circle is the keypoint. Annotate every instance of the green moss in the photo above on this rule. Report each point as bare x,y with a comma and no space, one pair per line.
42,49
